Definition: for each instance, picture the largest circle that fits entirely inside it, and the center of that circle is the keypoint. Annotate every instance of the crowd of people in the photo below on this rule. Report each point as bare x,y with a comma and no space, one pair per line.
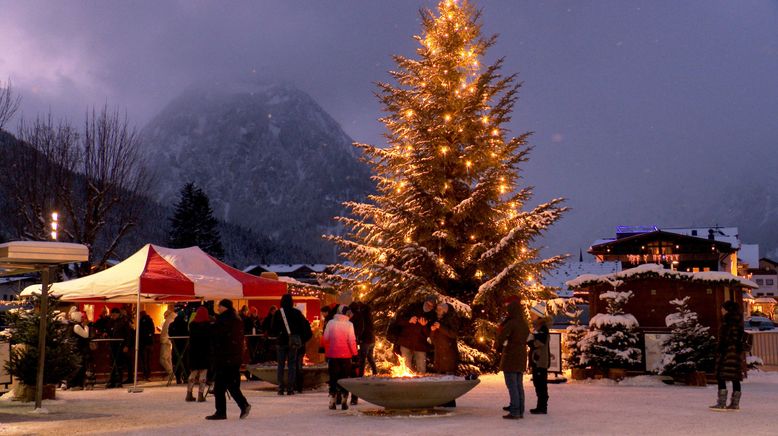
211,348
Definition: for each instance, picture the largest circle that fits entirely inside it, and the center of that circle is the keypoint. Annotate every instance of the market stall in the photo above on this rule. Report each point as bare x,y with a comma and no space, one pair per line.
164,275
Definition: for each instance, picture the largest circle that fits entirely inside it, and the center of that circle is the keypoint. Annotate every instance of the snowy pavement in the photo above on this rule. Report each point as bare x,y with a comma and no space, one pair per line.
642,405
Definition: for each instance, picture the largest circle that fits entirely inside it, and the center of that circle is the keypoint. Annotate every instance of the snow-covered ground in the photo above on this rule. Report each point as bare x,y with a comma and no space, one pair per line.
640,405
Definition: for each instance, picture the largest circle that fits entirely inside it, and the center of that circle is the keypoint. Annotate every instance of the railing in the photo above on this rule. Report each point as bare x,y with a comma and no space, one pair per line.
765,346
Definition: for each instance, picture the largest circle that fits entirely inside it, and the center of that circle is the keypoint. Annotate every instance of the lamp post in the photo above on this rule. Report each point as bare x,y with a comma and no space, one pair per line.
54,225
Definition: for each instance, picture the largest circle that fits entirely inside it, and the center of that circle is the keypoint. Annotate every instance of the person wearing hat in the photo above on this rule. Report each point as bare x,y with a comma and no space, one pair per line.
414,326
540,356
79,331
228,356
511,345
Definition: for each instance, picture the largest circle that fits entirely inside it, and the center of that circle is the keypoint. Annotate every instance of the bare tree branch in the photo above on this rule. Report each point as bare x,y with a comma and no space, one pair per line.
9,103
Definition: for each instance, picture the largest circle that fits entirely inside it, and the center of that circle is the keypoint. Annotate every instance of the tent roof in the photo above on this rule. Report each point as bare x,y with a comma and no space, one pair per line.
20,257
165,274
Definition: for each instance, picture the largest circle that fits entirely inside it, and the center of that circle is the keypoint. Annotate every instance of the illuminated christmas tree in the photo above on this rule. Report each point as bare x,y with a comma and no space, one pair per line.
448,217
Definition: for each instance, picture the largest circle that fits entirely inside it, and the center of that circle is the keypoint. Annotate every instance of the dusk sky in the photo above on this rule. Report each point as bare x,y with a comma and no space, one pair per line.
634,104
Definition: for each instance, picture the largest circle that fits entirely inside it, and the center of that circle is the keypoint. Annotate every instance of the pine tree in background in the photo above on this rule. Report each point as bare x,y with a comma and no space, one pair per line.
448,218
612,340
690,347
193,223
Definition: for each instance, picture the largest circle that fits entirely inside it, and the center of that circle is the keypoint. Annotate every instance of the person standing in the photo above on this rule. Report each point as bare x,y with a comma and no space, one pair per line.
165,345
228,356
145,343
80,332
179,330
414,330
292,330
340,347
730,359
199,353
540,357
118,329
363,329
443,334
512,346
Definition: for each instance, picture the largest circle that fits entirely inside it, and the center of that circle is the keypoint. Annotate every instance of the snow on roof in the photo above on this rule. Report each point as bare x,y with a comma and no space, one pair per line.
767,300
652,269
558,277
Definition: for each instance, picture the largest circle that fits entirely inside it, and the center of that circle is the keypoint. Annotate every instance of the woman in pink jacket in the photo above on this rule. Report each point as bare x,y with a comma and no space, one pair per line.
340,346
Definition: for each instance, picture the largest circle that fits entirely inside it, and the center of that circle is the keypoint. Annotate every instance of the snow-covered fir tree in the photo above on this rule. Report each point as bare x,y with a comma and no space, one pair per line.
691,347
193,223
574,356
449,215
612,340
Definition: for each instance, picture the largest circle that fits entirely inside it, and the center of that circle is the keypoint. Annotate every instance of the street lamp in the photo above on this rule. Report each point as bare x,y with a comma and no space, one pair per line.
54,225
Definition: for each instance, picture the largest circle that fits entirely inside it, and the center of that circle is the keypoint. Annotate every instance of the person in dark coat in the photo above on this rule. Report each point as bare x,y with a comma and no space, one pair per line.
119,328
443,334
179,330
512,347
145,344
228,356
414,326
362,319
540,357
289,322
730,358
199,353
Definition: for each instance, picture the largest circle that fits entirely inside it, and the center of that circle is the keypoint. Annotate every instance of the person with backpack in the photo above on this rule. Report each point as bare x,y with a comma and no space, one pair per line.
293,331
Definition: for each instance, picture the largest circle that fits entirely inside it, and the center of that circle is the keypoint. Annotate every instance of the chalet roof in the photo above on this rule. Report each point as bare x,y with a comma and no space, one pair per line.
654,270
639,239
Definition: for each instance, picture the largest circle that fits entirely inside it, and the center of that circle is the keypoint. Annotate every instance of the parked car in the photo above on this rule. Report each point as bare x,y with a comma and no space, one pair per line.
759,323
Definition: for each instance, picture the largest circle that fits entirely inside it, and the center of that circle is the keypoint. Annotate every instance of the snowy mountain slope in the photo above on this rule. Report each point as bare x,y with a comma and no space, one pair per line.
268,156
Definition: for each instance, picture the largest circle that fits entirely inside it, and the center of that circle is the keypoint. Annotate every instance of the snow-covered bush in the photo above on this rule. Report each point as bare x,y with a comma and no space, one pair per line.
612,339
691,346
573,357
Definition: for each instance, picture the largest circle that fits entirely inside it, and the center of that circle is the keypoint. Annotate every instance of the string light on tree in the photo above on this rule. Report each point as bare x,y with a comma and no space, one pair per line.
465,243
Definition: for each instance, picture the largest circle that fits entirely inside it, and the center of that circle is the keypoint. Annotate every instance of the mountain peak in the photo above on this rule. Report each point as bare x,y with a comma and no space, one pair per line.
269,157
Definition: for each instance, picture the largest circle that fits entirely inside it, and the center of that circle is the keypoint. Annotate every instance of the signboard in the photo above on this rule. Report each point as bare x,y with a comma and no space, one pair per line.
653,350
555,349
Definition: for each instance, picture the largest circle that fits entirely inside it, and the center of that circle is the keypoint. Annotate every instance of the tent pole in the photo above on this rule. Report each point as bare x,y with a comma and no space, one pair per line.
44,308
135,388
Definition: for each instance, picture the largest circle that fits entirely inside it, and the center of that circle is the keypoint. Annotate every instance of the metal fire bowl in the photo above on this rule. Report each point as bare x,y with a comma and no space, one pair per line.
313,375
408,393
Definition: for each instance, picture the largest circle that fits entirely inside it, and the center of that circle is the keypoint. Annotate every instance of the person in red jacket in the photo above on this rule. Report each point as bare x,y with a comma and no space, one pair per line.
340,345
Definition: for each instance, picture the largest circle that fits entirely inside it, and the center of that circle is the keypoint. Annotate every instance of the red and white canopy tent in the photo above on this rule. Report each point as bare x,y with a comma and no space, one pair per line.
161,274
157,274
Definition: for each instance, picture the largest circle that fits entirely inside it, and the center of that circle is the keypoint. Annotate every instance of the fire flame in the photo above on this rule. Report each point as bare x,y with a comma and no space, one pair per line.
402,370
